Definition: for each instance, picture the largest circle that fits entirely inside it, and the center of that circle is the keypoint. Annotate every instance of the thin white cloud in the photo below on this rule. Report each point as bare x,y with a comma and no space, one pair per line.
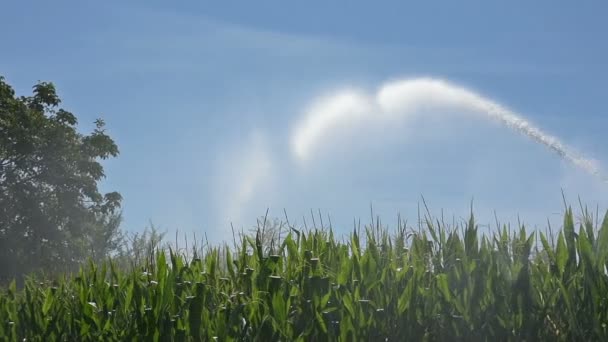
194,37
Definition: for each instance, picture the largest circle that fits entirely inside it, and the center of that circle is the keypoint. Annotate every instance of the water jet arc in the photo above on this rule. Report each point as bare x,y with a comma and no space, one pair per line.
400,99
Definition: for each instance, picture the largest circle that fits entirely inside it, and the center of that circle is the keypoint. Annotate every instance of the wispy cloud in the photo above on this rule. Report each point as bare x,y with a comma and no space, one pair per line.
196,43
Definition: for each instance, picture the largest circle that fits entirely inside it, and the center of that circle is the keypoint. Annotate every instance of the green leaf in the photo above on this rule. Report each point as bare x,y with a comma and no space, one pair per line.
442,284
586,252
321,322
602,242
547,248
570,237
561,254
48,302
406,296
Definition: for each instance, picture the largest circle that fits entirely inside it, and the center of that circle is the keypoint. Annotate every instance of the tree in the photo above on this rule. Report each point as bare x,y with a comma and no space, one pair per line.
50,207
104,237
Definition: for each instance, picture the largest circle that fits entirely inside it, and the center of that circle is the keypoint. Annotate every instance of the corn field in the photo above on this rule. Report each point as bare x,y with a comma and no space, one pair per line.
438,283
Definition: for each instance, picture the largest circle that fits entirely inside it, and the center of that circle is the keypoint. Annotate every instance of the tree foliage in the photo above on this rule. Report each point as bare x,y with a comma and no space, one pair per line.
52,214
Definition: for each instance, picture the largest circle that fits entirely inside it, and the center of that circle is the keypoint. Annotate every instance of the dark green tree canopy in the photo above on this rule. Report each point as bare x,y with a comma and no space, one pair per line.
49,172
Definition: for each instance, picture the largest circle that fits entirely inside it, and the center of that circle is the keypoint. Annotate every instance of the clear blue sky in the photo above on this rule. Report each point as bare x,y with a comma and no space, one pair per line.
203,99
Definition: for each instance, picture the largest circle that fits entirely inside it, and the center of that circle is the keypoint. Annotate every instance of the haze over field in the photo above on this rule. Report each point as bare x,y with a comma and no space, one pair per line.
221,112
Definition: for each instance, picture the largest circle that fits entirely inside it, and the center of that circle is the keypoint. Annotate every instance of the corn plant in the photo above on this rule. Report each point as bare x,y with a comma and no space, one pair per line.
439,283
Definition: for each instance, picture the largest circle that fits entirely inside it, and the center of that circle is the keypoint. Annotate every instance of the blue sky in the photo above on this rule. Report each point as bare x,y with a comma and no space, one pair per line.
204,99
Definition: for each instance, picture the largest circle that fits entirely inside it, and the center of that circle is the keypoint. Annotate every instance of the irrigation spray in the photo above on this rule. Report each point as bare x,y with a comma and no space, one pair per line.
406,98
